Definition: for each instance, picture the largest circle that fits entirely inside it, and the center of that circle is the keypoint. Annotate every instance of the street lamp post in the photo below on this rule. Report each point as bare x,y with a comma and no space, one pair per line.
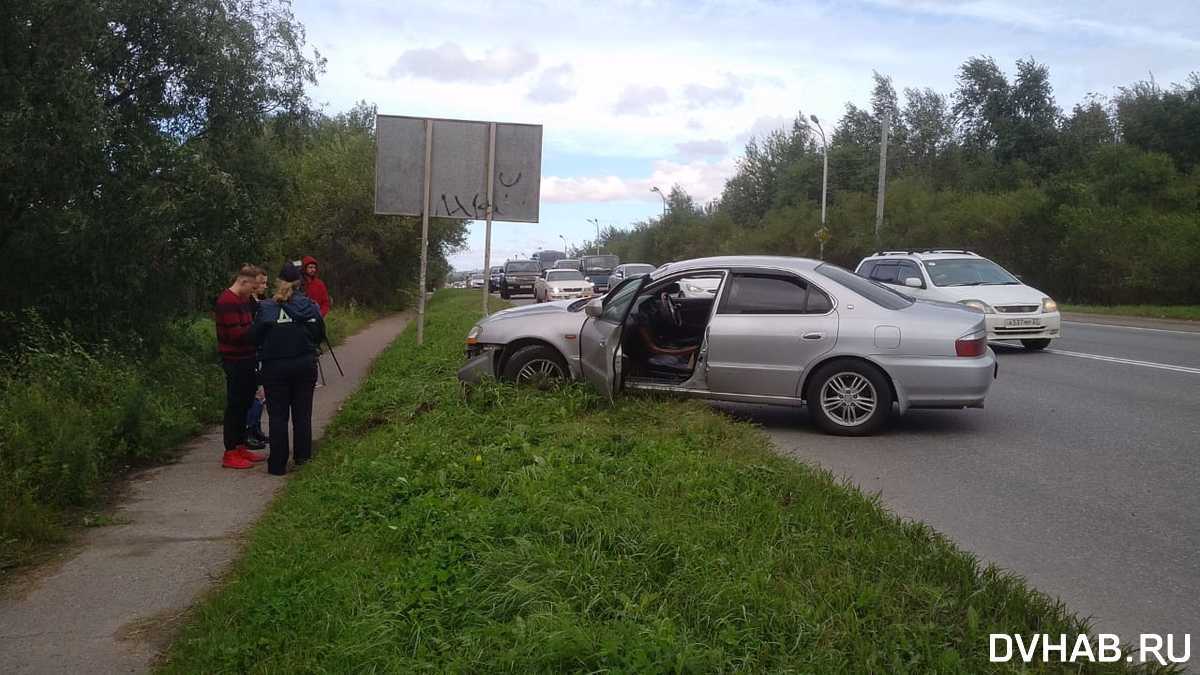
824,177
596,222
566,246
664,200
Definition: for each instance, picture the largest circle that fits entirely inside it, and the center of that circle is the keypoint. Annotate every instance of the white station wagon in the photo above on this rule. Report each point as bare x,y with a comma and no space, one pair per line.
1012,310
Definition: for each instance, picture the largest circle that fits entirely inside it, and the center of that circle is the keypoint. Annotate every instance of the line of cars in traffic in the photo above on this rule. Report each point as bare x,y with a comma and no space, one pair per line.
851,347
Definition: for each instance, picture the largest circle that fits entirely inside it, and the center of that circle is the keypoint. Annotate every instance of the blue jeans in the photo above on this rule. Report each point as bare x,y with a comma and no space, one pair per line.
254,416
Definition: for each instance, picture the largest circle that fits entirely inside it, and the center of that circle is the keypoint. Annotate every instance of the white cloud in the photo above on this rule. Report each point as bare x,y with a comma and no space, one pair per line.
1046,19
702,180
449,63
699,149
728,94
638,100
554,85
763,127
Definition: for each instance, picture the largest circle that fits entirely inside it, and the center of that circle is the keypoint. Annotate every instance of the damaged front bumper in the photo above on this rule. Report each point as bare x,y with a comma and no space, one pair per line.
480,365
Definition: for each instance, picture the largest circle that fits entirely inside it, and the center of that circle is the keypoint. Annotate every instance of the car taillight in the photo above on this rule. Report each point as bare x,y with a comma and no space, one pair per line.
974,344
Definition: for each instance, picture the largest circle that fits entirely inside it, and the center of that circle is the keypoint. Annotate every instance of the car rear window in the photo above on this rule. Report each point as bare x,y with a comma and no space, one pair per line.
876,293
529,266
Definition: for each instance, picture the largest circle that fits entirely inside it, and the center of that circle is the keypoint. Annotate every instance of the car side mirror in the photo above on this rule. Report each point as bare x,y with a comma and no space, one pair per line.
913,282
594,308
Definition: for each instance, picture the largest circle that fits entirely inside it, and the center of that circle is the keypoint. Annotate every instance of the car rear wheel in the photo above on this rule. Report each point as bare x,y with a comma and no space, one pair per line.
1036,345
537,366
846,398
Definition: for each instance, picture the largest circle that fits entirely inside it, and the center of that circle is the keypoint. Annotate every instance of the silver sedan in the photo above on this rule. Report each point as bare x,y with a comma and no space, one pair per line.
783,331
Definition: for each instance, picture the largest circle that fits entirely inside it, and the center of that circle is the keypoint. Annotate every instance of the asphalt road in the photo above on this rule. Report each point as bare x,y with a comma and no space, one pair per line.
1082,474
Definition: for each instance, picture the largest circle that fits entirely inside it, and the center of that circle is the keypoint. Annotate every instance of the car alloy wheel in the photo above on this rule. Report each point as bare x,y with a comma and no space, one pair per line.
538,366
538,370
848,399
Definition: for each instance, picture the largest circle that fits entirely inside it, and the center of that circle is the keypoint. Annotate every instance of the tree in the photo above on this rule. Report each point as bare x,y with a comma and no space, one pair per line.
132,151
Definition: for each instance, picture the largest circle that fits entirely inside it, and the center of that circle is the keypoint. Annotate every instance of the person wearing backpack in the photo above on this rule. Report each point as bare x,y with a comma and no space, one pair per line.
287,332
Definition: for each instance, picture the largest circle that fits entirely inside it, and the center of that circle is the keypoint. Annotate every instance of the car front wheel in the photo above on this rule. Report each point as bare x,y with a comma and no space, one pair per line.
538,366
1036,345
847,398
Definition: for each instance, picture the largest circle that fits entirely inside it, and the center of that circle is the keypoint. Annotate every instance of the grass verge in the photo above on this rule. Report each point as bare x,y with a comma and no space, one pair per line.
1184,312
73,418
509,530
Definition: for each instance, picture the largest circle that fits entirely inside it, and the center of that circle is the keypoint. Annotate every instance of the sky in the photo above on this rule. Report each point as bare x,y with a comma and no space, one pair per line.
634,94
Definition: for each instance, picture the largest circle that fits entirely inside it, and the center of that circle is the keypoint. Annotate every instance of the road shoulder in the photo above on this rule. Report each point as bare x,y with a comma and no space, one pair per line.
1134,322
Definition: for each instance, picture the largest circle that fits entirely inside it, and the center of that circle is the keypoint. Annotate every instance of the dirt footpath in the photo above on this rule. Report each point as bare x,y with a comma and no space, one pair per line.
111,606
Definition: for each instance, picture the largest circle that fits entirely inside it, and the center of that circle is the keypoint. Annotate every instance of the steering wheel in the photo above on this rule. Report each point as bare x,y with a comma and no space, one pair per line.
664,301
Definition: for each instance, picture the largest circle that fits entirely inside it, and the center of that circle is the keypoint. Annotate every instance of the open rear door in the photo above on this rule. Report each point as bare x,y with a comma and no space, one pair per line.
600,337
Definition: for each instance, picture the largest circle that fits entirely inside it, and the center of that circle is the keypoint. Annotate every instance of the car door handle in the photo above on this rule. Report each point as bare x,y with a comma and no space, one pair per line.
603,342
812,336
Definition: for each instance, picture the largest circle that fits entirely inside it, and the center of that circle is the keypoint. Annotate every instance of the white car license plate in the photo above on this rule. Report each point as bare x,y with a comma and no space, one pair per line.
1019,323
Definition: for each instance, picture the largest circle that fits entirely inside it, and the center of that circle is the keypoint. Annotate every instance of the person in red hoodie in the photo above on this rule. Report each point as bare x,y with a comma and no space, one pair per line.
314,287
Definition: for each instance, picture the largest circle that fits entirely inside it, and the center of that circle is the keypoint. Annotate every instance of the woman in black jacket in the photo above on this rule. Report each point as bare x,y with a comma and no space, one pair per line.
288,331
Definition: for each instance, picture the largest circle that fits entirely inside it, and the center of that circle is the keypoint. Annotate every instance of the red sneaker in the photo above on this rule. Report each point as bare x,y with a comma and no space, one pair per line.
249,454
232,459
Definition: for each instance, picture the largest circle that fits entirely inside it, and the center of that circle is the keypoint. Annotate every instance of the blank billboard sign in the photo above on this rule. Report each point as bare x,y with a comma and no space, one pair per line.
458,171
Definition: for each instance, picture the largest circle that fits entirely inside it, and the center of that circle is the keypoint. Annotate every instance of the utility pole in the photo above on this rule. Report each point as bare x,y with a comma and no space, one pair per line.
663,198
823,233
596,222
883,141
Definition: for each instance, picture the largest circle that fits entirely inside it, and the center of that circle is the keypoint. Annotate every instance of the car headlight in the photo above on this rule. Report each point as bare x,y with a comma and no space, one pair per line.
1049,305
587,278
473,335
978,305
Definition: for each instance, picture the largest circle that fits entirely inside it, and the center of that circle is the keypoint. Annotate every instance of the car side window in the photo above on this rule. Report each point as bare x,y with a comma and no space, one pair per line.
818,302
616,305
885,272
907,270
765,294
865,269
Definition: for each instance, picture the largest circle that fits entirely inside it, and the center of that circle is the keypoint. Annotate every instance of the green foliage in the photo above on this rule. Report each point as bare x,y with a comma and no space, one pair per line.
72,415
507,530
147,147
1101,206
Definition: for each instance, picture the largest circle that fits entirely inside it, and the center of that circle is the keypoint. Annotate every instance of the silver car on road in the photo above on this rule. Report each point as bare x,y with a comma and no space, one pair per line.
783,331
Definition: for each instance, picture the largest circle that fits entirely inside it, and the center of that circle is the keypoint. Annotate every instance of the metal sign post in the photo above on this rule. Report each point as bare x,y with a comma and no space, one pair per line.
491,191
424,233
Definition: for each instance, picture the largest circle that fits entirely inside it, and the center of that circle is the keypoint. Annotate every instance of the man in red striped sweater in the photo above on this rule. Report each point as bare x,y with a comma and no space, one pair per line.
234,314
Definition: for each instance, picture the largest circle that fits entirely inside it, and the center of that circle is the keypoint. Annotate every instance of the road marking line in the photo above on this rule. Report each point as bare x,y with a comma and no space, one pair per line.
1128,362
1152,330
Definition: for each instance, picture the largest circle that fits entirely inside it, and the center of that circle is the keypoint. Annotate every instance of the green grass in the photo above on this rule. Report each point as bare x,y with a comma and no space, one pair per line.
506,530
1186,312
73,418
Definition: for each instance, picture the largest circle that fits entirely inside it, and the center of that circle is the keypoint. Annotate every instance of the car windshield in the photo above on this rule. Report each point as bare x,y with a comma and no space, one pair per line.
631,270
564,275
876,293
528,266
968,272
600,262
567,263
